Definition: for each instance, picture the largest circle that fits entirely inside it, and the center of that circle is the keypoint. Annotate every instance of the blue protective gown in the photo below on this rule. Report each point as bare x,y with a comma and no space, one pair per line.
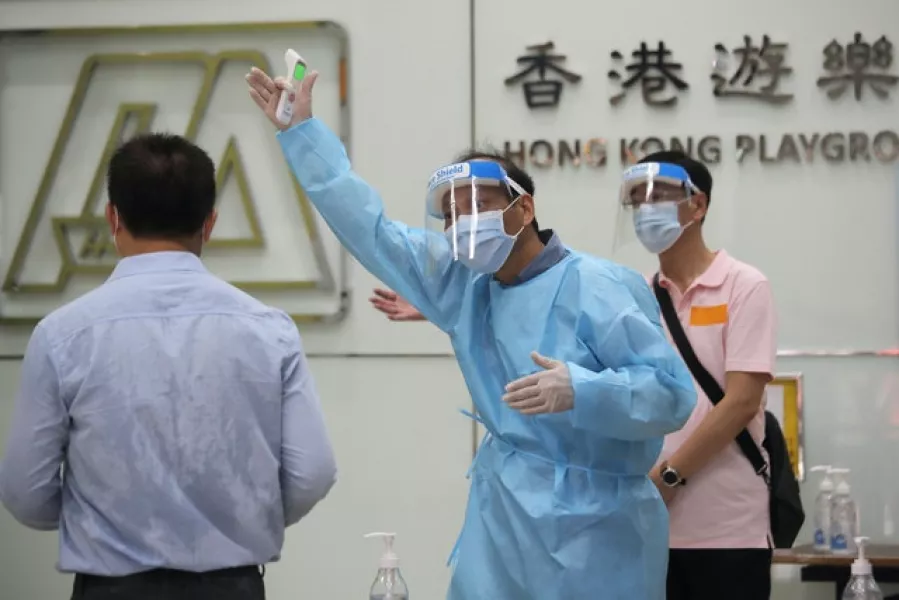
561,507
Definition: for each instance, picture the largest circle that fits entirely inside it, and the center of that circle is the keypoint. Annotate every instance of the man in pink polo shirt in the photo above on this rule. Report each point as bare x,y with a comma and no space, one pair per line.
720,540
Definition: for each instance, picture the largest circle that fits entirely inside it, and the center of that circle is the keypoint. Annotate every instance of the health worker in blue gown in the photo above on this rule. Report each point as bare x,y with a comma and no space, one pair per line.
566,364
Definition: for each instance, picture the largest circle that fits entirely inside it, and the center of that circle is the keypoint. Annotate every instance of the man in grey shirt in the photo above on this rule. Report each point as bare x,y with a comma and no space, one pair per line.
167,423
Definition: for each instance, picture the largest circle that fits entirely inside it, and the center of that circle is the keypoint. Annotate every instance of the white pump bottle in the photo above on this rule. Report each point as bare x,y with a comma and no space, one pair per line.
861,585
843,515
389,583
822,509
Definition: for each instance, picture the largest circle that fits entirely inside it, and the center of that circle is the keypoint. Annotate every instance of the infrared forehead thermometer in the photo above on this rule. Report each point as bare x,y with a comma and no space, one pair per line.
296,70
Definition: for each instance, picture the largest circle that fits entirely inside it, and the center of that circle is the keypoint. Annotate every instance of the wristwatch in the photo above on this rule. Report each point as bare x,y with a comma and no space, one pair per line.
670,476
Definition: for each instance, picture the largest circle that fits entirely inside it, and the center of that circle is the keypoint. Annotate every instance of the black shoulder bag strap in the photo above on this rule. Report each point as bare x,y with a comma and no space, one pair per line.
705,380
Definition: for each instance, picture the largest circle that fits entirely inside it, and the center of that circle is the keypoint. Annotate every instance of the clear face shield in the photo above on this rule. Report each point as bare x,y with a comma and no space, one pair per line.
465,205
649,206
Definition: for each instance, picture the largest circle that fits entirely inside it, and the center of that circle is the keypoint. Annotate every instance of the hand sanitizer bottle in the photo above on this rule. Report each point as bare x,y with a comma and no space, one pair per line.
822,509
843,516
862,585
389,583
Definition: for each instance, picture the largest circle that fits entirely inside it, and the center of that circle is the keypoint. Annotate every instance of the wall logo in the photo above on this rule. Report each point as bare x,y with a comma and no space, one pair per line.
81,236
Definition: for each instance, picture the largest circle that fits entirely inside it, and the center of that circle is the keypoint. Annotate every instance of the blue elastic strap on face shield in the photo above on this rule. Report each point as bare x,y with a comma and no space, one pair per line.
656,172
489,172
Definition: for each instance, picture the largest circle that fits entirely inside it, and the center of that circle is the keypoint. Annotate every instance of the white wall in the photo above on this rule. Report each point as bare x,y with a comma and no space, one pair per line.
415,484
826,235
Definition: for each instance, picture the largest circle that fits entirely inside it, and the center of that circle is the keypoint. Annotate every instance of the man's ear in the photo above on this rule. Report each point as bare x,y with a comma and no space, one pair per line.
209,224
112,217
526,201
700,203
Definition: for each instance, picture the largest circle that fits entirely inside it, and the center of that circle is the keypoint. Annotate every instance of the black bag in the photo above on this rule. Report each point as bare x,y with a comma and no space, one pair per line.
785,504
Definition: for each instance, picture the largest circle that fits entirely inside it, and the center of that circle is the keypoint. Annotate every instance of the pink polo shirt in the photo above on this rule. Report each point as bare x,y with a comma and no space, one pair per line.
729,316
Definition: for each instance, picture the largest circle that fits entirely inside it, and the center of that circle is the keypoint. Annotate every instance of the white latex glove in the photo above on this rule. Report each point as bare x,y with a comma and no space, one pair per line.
548,391
266,92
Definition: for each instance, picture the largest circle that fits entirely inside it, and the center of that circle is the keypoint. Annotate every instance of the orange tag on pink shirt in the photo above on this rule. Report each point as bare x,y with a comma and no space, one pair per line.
701,316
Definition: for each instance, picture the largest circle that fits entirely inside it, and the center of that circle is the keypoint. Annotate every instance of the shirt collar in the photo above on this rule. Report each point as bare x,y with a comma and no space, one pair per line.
553,252
713,276
157,262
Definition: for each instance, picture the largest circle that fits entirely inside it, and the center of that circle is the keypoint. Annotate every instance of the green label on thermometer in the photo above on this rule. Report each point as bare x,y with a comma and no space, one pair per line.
299,71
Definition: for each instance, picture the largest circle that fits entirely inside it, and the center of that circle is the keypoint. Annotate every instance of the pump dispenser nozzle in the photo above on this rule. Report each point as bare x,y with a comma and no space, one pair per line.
389,560
826,481
389,583
861,565
861,585
842,481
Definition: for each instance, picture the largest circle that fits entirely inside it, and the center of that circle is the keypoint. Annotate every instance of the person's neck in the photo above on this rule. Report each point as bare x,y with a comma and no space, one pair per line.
520,259
138,247
686,260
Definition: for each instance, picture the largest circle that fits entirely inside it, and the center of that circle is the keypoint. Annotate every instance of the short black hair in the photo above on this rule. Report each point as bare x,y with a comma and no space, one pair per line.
515,173
698,172
162,186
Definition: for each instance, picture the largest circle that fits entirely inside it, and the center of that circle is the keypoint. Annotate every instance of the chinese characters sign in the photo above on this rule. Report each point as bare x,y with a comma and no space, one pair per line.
543,92
758,73
755,69
853,65
653,70
752,69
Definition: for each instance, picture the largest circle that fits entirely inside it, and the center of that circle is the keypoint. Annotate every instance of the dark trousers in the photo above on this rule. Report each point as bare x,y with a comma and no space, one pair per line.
719,574
242,583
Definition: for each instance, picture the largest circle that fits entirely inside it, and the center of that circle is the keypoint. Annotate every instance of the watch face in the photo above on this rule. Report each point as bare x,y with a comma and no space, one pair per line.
670,477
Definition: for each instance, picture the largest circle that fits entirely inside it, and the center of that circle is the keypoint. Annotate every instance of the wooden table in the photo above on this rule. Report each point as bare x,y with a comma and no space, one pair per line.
822,567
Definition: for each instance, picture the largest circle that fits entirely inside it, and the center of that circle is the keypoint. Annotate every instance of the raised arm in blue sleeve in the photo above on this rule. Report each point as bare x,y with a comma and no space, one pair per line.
646,390
391,251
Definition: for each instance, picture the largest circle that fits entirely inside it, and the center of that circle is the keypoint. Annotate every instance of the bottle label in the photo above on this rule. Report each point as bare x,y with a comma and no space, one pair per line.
820,538
838,542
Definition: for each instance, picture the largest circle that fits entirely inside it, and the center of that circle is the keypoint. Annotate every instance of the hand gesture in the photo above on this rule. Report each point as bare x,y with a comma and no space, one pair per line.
547,391
394,306
266,93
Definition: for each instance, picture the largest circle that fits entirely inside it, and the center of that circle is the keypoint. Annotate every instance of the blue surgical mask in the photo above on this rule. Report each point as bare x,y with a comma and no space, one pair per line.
658,226
492,245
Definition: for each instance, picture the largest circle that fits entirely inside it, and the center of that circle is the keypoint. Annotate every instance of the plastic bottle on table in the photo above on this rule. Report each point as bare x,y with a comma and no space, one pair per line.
822,509
843,515
389,583
861,585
